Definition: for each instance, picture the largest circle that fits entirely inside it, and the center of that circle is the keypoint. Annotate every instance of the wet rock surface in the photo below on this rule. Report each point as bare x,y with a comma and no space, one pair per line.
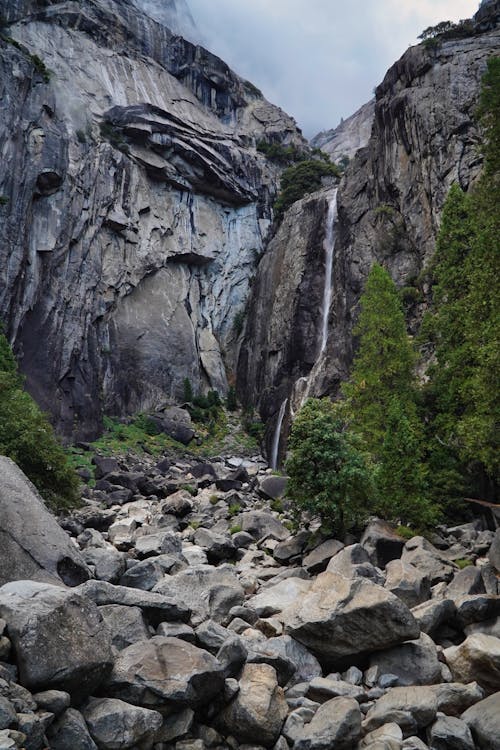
227,645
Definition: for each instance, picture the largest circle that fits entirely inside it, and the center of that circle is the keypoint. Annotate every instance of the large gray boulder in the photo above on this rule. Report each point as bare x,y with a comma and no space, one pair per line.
70,731
116,725
156,607
477,658
208,592
337,723
415,708
59,637
166,673
32,544
382,543
258,711
428,559
338,618
414,662
450,733
483,719
407,582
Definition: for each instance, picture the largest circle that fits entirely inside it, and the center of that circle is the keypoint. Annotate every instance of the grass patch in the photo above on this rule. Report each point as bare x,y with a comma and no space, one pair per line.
235,529
405,532
234,510
463,562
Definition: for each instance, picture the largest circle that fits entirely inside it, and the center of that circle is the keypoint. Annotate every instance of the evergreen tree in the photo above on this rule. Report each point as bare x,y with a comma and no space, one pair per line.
402,475
383,366
464,410
328,473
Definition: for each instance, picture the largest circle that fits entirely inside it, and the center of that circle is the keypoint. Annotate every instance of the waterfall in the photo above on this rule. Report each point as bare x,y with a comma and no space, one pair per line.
277,435
329,247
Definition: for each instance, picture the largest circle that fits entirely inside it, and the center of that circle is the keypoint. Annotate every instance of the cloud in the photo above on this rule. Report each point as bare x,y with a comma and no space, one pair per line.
318,59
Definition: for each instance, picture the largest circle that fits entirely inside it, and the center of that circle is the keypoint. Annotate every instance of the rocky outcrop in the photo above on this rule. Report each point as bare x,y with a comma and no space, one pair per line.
424,138
343,142
31,542
134,207
237,651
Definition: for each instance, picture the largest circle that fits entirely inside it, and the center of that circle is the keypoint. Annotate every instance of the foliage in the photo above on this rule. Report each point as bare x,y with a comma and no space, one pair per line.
27,437
3,200
114,135
231,401
432,31
383,367
462,395
463,562
40,67
187,389
281,154
235,529
301,179
401,475
234,510
328,473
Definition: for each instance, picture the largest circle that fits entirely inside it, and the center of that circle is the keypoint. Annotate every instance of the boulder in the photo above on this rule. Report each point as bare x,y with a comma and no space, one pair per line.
257,713
114,724
273,487
59,637
353,562
483,719
146,574
32,544
217,546
337,723
291,548
407,582
108,563
494,553
156,607
317,560
381,543
415,708
276,598
322,689
387,737
450,733
338,618
260,523
126,625
466,581
476,608
414,662
209,592
166,674
70,731
104,465
477,658
429,560
432,614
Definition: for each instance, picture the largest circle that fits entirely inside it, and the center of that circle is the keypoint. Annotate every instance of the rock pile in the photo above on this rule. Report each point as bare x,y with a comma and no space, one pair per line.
198,619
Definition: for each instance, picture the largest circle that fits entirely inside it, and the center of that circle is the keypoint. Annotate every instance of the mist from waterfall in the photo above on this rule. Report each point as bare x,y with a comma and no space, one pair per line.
277,435
329,247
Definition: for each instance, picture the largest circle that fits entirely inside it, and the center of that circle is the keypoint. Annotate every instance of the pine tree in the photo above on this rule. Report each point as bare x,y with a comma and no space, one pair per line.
402,474
383,366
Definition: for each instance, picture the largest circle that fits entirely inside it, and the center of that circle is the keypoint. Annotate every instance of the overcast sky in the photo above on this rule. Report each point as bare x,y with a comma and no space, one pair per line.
318,59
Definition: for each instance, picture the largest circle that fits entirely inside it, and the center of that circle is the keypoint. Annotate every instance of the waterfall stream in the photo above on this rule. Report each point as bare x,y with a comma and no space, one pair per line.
277,435
329,247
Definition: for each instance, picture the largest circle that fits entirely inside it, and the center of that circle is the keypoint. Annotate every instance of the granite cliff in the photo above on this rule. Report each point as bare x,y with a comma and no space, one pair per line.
423,139
134,205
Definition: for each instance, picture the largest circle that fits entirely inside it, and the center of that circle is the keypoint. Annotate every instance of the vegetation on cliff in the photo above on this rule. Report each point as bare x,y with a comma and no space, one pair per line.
27,437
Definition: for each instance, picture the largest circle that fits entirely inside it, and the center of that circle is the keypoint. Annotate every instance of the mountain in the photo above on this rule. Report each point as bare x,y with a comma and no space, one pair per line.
134,207
424,138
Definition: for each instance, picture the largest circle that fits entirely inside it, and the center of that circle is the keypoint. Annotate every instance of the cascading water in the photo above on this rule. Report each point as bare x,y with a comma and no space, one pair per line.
302,387
329,247
277,435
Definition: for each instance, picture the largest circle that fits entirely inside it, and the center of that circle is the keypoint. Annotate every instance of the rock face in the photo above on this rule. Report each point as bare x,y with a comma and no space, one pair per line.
32,544
346,139
424,138
138,209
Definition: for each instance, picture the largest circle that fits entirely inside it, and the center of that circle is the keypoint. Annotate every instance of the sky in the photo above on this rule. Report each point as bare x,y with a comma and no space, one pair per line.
319,60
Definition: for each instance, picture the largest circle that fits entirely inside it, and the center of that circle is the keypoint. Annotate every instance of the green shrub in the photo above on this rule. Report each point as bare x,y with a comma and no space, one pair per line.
188,390
235,529
277,505
234,509
238,322
27,437
214,499
193,491
328,473
3,200
231,401
143,422
301,179
281,154
40,67
463,562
